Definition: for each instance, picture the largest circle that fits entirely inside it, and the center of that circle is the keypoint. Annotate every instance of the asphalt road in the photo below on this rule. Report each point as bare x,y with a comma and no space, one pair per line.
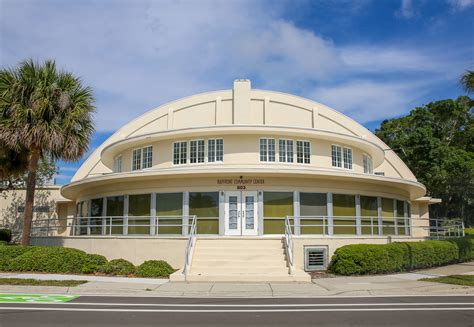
152,311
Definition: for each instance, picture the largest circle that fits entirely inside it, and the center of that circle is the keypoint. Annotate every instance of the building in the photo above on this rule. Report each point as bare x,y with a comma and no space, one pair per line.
241,183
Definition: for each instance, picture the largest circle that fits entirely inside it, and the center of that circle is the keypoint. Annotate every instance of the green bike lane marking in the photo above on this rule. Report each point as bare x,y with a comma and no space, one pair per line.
32,298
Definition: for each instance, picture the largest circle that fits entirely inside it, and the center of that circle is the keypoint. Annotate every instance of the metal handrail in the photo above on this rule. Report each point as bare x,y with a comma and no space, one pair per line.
190,248
289,244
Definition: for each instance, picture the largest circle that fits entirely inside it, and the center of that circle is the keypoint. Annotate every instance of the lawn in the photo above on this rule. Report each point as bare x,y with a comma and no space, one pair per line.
466,280
35,282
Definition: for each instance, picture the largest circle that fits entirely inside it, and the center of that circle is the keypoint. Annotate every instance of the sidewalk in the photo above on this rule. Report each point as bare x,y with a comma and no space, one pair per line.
381,285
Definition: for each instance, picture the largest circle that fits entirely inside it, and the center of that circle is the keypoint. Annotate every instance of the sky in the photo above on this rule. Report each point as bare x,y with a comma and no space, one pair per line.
370,59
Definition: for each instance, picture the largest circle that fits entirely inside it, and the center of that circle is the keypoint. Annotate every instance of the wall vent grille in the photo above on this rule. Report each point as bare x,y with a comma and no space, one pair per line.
315,258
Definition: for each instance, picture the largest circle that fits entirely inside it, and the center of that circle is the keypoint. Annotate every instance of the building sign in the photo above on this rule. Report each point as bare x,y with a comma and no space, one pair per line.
241,182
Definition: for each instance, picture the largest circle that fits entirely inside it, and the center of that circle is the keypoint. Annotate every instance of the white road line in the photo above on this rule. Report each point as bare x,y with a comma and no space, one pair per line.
244,305
235,311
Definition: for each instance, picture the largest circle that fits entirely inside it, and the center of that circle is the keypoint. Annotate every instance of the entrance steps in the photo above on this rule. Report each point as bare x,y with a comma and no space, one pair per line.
240,260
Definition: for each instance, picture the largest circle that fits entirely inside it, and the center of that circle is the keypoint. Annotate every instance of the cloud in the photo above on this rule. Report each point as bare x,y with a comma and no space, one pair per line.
365,100
460,4
406,9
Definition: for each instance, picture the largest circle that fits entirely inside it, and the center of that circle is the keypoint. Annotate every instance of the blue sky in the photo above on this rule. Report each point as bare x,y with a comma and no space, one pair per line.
371,59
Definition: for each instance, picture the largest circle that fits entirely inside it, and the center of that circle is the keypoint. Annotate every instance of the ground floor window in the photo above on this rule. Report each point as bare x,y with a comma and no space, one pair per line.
139,214
344,212
169,211
313,212
369,213
115,211
205,205
276,206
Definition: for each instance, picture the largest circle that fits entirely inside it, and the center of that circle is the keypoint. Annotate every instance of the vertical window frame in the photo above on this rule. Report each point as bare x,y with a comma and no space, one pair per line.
136,159
215,150
199,154
180,153
286,153
303,152
118,162
368,164
269,149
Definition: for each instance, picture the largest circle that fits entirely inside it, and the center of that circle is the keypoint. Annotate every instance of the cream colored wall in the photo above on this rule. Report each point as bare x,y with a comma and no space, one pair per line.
135,250
46,196
243,105
245,149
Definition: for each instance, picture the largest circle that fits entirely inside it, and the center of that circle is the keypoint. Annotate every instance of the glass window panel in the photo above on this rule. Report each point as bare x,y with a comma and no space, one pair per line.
303,152
388,222
115,205
211,150
368,165
196,151
139,207
118,164
180,153
169,205
276,205
249,212
219,150
136,159
313,204
347,158
205,205
263,150
344,205
147,157
369,213
336,156
96,211
285,150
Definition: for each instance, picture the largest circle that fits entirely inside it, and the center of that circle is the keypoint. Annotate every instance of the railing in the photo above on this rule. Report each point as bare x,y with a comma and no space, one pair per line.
188,256
372,226
289,245
112,226
446,228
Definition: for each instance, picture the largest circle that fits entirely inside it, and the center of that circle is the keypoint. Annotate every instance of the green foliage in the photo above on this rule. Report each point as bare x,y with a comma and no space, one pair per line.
436,141
3,243
119,267
94,263
155,268
5,235
51,260
469,231
359,259
9,252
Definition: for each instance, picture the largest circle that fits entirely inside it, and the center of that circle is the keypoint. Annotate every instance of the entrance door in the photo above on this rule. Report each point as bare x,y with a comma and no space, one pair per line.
241,213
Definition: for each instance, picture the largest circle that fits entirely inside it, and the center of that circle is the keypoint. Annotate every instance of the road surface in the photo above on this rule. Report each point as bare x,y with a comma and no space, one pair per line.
323,311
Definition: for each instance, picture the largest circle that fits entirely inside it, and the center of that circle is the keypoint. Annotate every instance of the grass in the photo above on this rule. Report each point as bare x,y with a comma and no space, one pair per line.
36,282
466,280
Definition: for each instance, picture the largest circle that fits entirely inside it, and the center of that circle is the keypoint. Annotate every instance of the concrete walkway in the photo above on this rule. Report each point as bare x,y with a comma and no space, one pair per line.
381,285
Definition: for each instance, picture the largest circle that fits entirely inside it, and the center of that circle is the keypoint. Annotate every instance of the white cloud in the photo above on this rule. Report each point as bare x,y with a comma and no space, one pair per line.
461,4
367,101
406,9
139,54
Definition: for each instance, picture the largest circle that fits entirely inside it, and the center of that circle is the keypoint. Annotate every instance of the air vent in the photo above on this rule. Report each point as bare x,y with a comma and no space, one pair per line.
379,173
315,257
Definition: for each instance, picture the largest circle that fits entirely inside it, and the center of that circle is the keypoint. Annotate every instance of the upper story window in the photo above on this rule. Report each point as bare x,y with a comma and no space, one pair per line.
368,165
196,151
285,150
341,157
142,158
118,164
303,152
267,150
180,152
347,158
215,150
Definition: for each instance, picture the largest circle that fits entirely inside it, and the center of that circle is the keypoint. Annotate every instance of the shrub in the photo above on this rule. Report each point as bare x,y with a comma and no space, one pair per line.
50,259
387,258
119,267
5,235
3,243
9,252
465,247
369,259
154,268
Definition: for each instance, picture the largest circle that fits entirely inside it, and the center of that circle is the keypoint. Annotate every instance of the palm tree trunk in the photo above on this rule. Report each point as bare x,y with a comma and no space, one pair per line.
30,195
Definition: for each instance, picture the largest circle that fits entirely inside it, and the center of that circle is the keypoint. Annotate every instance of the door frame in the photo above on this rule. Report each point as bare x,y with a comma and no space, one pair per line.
241,196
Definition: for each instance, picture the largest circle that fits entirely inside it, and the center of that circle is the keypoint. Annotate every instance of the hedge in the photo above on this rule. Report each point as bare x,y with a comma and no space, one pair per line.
9,252
5,235
155,268
119,267
403,256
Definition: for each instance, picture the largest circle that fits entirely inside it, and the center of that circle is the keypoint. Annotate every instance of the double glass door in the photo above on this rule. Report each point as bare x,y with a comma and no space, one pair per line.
241,213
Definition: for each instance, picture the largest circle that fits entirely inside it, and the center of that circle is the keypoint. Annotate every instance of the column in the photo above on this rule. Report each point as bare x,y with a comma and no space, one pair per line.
330,220
260,213
379,215
296,212
104,214
125,215
185,221
395,216
221,213
154,222
358,215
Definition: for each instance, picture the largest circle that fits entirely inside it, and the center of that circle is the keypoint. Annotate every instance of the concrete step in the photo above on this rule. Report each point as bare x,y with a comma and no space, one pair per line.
236,264
249,278
239,270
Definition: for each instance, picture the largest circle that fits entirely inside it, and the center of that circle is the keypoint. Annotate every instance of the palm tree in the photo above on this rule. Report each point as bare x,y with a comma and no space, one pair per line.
49,113
467,81
13,164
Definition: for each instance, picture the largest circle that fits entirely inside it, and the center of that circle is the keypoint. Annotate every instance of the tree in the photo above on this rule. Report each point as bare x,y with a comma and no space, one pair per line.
48,113
436,141
467,80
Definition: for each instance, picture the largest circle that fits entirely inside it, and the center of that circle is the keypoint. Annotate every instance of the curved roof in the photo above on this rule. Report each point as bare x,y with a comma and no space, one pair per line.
243,110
